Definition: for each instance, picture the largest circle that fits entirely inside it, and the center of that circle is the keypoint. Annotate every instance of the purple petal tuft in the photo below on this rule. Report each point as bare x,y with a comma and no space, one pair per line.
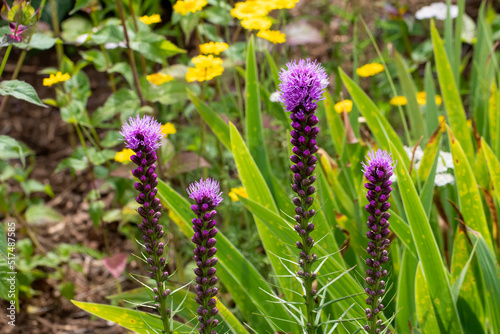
142,133
205,189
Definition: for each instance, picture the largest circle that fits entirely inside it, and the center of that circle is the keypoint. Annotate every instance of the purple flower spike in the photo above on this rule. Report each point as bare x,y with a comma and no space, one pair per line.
378,169
207,195
143,137
302,84
142,134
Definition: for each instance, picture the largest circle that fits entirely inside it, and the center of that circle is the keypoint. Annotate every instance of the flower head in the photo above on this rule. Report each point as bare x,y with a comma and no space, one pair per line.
159,78
206,68
189,6
248,9
142,133
369,70
398,101
213,48
422,99
379,165
124,155
150,19
274,36
235,192
168,129
302,83
437,10
285,4
343,106
53,79
256,23
205,191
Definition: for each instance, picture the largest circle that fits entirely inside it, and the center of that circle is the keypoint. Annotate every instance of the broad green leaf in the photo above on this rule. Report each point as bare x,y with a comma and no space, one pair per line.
218,126
95,57
403,231
80,4
254,135
451,96
39,41
494,118
425,308
20,90
431,112
433,268
156,51
137,321
493,167
380,127
335,125
12,149
417,125
252,299
430,152
471,204
96,210
405,302
491,279
42,214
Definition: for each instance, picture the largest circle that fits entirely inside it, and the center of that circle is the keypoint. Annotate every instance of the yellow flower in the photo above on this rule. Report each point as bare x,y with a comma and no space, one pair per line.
343,106
256,23
150,19
268,5
168,129
206,68
159,78
398,101
215,48
274,36
237,191
369,70
189,6
248,9
288,4
422,99
206,61
124,155
442,123
53,79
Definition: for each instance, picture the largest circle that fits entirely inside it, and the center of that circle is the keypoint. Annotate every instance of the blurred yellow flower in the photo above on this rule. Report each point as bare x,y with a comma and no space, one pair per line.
274,36
256,23
281,4
422,99
206,61
150,19
168,129
124,156
159,78
237,191
343,106
369,70
398,101
248,9
211,47
203,74
53,79
189,6
442,123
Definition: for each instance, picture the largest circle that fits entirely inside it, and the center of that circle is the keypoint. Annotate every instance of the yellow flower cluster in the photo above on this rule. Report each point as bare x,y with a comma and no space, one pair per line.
150,19
343,106
53,79
124,156
168,129
233,194
256,23
274,36
253,16
213,48
159,78
369,70
189,6
422,99
206,68
398,101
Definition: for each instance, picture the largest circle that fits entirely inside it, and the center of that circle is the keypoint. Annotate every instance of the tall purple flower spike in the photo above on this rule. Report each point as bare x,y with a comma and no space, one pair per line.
302,84
378,170
207,195
143,136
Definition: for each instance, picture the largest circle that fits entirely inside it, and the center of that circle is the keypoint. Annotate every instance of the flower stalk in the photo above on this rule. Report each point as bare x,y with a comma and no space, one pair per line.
377,170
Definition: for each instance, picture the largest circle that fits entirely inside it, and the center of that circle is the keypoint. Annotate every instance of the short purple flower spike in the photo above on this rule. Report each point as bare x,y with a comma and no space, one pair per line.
378,169
302,83
207,196
142,133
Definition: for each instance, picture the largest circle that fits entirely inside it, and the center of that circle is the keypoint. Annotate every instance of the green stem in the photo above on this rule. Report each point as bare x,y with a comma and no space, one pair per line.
57,30
5,57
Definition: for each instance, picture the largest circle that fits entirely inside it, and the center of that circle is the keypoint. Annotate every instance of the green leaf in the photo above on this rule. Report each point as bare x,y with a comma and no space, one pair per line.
433,268
494,118
80,4
97,58
471,205
254,135
426,313
139,322
252,299
218,126
39,41
12,149
451,96
108,34
335,124
493,167
156,51
75,26
20,90
122,101
96,210
405,302
380,127
42,214
431,111
430,152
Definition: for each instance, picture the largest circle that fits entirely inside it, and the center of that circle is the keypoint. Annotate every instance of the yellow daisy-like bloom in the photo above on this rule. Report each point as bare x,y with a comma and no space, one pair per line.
442,123
150,19
206,68
168,129
53,79
422,99
214,48
206,61
269,5
189,6
237,191
398,101
124,156
285,4
248,9
274,36
159,78
256,23
343,106
369,70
